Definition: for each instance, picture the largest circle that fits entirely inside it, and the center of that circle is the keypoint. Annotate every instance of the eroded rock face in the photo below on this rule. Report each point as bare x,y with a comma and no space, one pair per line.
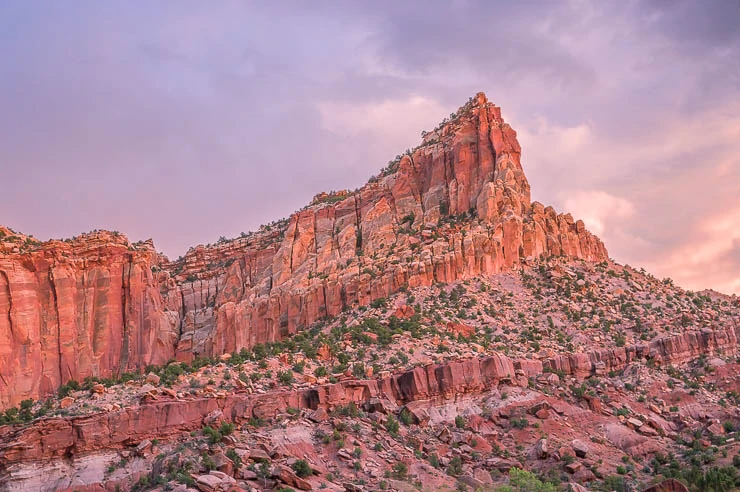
74,309
670,485
58,437
456,207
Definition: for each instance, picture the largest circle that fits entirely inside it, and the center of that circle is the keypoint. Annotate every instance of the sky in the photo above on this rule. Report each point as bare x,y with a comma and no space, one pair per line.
184,121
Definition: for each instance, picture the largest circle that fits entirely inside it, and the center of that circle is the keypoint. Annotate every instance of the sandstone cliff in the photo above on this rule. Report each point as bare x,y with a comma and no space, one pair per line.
90,306
455,207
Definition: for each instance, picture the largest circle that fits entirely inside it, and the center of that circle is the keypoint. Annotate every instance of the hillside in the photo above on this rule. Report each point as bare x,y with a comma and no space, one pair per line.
96,305
432,330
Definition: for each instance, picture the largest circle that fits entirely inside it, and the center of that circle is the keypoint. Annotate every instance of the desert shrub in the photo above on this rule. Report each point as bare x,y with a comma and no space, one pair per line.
302,468
524,481
231,454
285,377
455,467
400,470
213,435
66,389
406,417
226,428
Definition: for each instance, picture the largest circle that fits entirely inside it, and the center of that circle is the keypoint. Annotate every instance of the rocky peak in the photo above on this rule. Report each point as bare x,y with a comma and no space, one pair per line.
455,207
437,295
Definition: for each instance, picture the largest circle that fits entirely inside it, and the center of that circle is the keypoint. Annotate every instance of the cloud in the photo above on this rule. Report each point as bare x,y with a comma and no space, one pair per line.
712,257
659,199
396,122
598,209
185,122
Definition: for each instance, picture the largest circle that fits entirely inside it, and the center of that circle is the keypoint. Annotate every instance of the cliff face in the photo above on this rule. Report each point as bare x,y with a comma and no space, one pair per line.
457,206
69,310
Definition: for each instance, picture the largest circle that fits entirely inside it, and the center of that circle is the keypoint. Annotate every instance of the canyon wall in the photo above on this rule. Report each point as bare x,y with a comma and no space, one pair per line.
81,308
456,207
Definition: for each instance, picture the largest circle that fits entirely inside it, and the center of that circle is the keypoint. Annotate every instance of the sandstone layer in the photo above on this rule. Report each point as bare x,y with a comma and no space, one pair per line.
455,207
55,438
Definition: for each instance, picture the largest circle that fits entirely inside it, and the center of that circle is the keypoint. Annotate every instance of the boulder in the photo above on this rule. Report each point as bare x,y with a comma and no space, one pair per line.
670,485
541,450
66,402
208,483
318,415
286,475
580,448
223,463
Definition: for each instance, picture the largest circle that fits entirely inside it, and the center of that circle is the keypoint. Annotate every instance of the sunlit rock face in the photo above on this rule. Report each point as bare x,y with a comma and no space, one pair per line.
455,207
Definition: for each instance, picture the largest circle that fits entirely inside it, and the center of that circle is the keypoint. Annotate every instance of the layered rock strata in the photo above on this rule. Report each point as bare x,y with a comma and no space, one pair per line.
457,206
55,438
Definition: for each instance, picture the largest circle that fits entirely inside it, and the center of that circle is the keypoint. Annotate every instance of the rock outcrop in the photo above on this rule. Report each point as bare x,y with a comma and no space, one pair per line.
54,438
68,310
456,207
670,485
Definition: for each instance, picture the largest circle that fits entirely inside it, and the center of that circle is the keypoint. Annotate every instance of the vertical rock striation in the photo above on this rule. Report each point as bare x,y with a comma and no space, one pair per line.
68,310
456,207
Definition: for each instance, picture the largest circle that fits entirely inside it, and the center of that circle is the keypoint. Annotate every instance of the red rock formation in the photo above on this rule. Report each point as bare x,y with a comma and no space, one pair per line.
459,329
58,437
669,349
90,306
456,207
670,485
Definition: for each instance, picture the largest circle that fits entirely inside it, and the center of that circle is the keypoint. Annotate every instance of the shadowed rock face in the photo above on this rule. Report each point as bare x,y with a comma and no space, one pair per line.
456,207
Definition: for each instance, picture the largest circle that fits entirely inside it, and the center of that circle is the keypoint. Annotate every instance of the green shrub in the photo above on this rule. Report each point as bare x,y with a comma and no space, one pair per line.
400,470
524,481
66,389
302,468
358,370
226,428
455,467
231,454
406,417
348,410
207,462
213,435
285,377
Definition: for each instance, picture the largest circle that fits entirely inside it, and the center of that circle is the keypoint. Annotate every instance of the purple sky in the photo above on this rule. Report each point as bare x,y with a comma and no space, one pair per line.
185,121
